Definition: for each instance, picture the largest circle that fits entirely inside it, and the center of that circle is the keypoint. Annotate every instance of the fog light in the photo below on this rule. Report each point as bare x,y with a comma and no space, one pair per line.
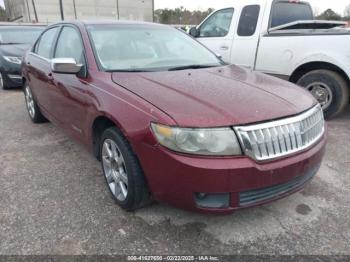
205,200
201,195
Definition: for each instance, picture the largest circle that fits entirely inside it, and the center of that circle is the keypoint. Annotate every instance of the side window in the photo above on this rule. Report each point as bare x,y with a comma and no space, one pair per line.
69,45
43,47
249,20
218,24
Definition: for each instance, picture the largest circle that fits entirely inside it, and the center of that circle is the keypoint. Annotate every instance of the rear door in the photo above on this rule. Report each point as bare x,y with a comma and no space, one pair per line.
244,48
216,32
39,68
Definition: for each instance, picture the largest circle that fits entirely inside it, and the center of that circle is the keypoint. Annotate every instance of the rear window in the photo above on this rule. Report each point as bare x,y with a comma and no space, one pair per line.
284,12
19,35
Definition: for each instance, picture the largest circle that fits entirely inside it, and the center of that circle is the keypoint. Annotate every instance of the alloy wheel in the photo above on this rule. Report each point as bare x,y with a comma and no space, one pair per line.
1,81
30,102
115,170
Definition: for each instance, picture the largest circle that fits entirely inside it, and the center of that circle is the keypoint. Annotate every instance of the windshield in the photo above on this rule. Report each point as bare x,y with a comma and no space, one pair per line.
21,35
147,48
285,12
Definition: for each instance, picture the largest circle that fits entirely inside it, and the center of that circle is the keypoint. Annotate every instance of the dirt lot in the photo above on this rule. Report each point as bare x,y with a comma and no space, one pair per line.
54,201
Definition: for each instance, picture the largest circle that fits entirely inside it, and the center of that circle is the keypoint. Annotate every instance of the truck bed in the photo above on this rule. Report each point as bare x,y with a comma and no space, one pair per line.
306,32
310,27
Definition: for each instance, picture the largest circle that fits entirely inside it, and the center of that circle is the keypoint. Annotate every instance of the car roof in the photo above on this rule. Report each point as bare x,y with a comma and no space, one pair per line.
13,24
108,22
4,27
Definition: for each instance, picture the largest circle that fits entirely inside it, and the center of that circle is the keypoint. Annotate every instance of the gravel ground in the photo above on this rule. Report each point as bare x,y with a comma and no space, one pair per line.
53,200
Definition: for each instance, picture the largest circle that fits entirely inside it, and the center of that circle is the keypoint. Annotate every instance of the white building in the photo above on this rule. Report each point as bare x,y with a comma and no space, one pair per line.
48,11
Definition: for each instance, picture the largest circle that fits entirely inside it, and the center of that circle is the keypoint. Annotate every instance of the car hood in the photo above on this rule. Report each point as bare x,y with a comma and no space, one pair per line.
219,96
14,50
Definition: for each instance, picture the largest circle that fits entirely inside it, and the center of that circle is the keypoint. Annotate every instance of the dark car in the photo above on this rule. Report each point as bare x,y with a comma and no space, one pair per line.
14,42
169,120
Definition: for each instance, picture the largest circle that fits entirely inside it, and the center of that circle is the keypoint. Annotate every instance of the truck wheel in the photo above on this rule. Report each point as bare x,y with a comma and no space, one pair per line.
329,88
123,172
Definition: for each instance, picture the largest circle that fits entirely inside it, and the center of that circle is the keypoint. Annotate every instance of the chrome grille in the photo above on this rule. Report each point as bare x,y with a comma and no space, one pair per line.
280,138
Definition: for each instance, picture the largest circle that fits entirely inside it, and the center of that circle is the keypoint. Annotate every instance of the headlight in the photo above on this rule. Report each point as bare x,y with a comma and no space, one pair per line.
13,59
198,141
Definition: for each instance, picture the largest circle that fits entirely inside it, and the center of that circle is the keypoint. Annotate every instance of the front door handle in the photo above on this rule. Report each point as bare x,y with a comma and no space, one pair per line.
224,47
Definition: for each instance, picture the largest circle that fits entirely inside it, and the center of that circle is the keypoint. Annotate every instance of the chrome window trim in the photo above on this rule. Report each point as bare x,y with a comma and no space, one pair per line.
39,56
294,141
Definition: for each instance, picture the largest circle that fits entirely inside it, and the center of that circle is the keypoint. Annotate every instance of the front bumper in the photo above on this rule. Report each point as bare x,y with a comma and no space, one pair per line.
11,73
176,179
12,79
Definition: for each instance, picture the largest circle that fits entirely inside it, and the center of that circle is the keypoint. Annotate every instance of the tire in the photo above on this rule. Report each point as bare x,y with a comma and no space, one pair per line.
326,83
32,107
121,166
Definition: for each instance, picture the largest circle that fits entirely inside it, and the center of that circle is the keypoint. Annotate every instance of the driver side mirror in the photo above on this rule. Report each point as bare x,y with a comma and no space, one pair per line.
65,66
194,32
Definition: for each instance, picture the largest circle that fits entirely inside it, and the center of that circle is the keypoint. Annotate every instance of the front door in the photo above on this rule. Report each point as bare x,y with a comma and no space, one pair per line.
216,33
68,97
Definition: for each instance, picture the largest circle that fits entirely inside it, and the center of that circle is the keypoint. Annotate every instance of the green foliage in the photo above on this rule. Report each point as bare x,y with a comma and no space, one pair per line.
3,16
329,14
180,16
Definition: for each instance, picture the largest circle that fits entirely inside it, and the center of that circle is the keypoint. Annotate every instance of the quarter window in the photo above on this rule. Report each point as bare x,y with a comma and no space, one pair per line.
69,45
218,24
249,20
43,47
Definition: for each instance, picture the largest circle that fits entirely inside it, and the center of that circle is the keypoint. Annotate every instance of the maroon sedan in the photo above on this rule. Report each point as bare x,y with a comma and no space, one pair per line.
171,122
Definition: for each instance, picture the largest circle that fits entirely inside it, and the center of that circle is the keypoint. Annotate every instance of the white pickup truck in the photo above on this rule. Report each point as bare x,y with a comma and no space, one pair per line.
280,37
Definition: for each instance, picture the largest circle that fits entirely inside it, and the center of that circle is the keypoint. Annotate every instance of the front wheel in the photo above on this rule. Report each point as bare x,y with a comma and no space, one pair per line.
122,171
329,88
32,107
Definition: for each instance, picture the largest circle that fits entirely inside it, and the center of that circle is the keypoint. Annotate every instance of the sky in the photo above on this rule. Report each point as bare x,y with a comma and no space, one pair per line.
319,5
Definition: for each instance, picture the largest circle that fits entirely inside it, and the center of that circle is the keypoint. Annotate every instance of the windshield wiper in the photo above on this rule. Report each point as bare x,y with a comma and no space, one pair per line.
129,70
190,67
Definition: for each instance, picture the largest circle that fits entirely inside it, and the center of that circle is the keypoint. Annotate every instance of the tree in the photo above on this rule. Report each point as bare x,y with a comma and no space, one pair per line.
329,14
347,12
180,16
3,15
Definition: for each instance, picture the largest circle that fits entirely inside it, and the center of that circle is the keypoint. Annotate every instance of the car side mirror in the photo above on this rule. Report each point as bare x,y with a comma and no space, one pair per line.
194,32
65,66
219,56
